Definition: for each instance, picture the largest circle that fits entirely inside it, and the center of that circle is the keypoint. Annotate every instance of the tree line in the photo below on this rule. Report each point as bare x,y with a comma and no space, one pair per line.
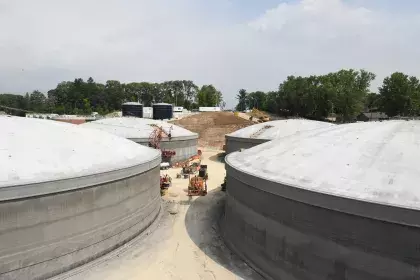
344,94
85,97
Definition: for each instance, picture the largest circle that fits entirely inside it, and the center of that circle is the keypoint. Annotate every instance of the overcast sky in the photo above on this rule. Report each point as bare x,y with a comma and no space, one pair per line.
233,44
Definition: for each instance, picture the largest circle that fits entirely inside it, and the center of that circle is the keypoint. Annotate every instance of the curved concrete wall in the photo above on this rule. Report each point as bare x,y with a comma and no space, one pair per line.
234,144
293,234
49,228
185,147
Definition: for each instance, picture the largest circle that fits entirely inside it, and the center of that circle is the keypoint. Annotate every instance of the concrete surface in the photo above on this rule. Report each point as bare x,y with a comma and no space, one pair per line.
374,162
287,223
35,150
133,128
183,141
185,244
69,195
253,135
42,236
184,149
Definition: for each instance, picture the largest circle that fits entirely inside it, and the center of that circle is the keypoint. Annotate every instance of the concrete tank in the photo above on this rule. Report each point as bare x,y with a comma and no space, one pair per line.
341,204
69,195
183,142
253,135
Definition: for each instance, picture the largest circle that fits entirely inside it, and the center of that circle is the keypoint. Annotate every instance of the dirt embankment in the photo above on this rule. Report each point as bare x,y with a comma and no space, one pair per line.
212,127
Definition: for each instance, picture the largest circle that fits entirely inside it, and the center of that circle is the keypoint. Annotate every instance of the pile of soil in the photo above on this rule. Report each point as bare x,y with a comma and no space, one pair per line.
213,126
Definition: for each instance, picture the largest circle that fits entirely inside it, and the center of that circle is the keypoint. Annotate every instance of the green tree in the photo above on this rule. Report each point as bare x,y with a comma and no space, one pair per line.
114,94
209,96
257,100
372,102
350,88
399,95
37,102
242,98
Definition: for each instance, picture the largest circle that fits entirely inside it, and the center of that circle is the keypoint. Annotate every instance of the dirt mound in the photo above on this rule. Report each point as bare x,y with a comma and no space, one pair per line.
212,127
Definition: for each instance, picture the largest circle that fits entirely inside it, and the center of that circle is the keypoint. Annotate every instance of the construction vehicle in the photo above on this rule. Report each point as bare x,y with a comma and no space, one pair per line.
155,138
190,166
197,186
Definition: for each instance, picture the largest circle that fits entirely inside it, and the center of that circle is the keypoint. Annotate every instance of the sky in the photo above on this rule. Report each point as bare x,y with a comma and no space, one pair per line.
232,44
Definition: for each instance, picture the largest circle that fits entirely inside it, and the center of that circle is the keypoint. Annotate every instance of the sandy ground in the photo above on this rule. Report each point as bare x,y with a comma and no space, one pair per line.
213,126
246,116
184,244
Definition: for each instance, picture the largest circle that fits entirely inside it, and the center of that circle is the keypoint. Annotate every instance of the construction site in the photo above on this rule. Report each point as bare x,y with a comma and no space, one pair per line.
213,195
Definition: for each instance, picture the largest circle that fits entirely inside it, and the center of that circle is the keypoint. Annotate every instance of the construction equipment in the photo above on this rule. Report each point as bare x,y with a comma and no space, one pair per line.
203,172
164,166
165,181
197,186
191,165
188,169
156,137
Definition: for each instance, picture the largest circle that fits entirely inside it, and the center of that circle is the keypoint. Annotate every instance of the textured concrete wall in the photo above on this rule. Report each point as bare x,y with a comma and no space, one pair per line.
184,148
234,144
41,236
295,239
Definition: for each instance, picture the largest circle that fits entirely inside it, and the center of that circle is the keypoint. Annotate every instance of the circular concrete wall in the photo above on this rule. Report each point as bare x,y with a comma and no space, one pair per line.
183,141
343,204
254,135
69,195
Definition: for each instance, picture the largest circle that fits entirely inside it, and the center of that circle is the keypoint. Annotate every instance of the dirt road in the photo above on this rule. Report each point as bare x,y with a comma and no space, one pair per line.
183,245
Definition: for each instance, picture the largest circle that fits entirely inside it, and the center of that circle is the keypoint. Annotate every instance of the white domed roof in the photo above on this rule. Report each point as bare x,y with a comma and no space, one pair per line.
376,161
34,150
137,128
278,129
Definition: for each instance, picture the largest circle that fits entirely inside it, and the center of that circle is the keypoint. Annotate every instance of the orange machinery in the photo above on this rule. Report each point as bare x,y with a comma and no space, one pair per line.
165,181
197,186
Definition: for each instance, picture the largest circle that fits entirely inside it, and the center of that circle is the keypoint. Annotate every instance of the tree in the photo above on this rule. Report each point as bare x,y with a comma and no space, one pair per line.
37,102
350,89
83,97
372,102
242,97
114,94
209,96
257,100
400,95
